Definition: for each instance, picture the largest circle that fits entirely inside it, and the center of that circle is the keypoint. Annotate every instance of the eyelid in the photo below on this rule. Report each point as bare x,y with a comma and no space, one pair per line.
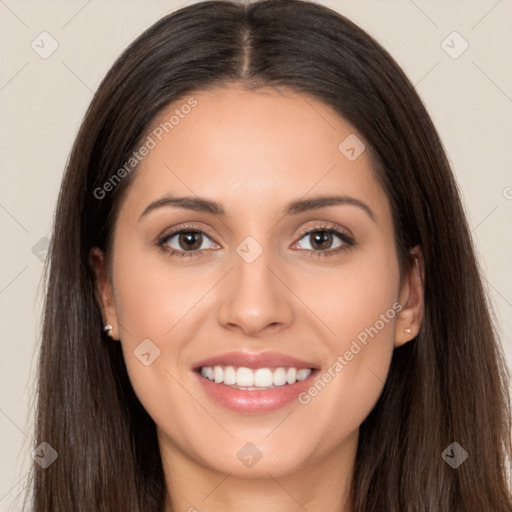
184,227
163,240
326,225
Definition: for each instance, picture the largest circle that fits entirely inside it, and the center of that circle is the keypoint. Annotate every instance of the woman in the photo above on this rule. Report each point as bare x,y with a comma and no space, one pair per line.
262,293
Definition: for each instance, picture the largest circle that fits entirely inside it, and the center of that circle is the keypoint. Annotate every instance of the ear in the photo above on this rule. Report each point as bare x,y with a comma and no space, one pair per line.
104,292
411,297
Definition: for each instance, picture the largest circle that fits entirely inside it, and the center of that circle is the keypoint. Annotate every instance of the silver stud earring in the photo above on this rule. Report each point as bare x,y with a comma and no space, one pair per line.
408,330
108,328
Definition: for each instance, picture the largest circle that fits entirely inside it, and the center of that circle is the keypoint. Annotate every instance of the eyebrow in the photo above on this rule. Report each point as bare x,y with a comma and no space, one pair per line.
293,208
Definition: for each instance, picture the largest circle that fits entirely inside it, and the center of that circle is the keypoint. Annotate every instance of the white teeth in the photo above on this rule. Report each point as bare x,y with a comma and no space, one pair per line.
303,374
279,377
263,378
218,374
244,377
291,375
253,379
229,375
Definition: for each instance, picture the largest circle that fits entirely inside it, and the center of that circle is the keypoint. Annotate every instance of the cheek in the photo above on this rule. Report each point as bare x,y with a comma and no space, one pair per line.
150,297
352,300
151,307
360,348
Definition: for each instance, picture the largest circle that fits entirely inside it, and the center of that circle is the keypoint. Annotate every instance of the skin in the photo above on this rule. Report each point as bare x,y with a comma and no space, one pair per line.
254,152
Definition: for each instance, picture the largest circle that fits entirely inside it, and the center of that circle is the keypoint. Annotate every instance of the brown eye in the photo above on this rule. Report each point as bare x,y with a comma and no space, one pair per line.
189,240
321,240
186,242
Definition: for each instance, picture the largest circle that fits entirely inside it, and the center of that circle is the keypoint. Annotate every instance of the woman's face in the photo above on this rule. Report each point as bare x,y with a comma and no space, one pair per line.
257,282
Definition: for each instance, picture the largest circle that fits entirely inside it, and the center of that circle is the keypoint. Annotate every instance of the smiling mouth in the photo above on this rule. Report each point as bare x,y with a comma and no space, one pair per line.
259,379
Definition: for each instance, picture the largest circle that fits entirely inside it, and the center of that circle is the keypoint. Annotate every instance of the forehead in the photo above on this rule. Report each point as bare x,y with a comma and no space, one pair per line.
262,147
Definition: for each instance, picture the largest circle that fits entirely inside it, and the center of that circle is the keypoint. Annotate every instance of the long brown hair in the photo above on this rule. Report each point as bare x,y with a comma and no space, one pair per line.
450,384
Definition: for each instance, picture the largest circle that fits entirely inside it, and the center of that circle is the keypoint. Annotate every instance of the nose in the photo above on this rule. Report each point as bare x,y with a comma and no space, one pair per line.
255,298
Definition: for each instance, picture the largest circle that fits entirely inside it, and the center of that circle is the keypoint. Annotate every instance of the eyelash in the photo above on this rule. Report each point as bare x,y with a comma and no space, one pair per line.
348,241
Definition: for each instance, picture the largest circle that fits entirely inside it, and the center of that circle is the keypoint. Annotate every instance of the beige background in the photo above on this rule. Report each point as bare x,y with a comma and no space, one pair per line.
42,102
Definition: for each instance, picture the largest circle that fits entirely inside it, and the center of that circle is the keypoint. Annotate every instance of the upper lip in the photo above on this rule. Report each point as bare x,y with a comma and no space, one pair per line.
255,360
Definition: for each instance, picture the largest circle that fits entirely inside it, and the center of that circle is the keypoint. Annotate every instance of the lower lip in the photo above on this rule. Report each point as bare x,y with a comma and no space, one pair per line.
257,402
